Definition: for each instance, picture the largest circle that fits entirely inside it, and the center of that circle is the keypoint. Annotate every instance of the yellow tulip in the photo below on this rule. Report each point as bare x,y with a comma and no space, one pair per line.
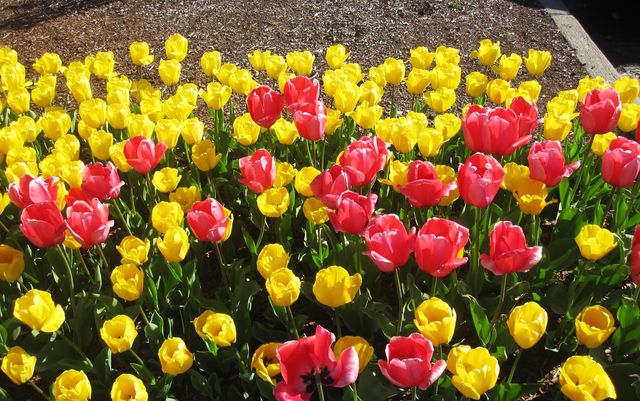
445,55
366,116
447,124
127,281
332,79
15,171
315,211
418,80
18,365
537,62
436,320
353,71
304,177
141,124
301,62
133,250
629,117
119,333
265,362
174,245
216,327
258,58
285,173
178,108
100,143
245,130
11,263
283,287
139,52
224,72
273,202
430,141
334,286
37,310
557,127
283,78
377,75
587,84
93,112
446,76
210,63
175,357
531,88
487,53
595,242
48,64
601,143
334,121
153,108
168,131
531,196
271,258
176,47
441,99
508,66
80,89
421,57
475,371
447,175
361,346
476,83
127,387
102,65
166,215
286,131
527,324
497,90
594,325
216,96
628,88
242,82
204,155
514,175
393,70
336,56
274,65
581,378
370,93
118,115
72,385
186,197
397,174
4,202
116,154
44,92
346,97
55,123
166,179
169,71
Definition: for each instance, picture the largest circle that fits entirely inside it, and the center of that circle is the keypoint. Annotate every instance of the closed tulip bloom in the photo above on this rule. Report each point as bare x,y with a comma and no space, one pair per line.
595,242
475,370
29,190
582,378
493,131
258,58
600,111
165,215
242,82
210,63
192,131
72,385
634,263
487,53
448,175
11,263
204,155
336,56
594,325
363,159
436,320
315,211
408,362
245,130
101,181
359,344
37,310
439,246
273,202
119,333
210,221
531,196
621,162
139,52
441,99
527,324
174,245
627,87
629,117
89,222
143,154
476,83
371,93
265,362
285,173
133,250
353,71
388,242
55,122
175,357
286,131
258,170
48,64
169,71
18,100
93,112
509,252
602,142
537,62
166,179
479,179
127,281
366,116
334,286
353,212
265,105
127,387
100,143
424,187
176,47
216,96
185,197
446,75
283,287
301,62
346,96
329,185
271,258
508,66
497,90
168,131
216,327
547,163
421,57
557,127
42,224
418,80
303,180
394,70
18,365
310,120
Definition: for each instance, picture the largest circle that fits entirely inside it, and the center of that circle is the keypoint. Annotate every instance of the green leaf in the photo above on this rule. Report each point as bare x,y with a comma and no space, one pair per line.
251,245
199,382
143,372
480,320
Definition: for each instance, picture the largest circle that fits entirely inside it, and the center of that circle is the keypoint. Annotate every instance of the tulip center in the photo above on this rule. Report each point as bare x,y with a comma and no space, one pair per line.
310,378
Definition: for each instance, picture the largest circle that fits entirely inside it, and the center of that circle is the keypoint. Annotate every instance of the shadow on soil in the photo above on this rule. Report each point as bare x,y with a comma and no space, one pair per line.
23,14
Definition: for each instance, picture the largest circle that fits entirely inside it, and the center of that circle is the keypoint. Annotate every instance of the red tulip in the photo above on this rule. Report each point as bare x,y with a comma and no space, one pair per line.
29,190
388,242
621,162
101,181
424,187
301,360
494,131
363,159
635,257
353,212
310,120
546,163
143,154
89,222
329,185
77,194
265,105
299,91
527,116
42,224
600,111
479,179
439,246
408,362
509,252
210,221
258,171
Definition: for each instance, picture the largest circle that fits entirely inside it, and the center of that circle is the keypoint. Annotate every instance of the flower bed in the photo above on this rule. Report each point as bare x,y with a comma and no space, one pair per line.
346,252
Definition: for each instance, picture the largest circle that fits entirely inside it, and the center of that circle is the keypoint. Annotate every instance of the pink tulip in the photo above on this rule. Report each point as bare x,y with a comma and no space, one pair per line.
143,154
265,105
353,212
363,159
527,114
89,222
258,171
208,221
408,362
479,179
439,246
329,185
310,120
547,163
424,187
388,242
600,111
301,360
42,224
29,190
621,162
299,91
101,181
509,252
494,131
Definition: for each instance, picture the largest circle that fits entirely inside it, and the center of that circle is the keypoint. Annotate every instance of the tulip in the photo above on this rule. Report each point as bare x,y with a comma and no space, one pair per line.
93,112
29,190
388,242
42,224
127,281
11,263
89,222
271,258
100,143
582,378
361,346
101,181
218,328
487,53
635,257
133,250
299,91
48,64
265,105
273,202
629,117
531,196
143,154
258,58
421,57
210,221
315,211
600,111
363,159
310,120
476,83
245,131
424,187
408,362
210,63
329,185
493,130
301,62
497,90
334,286
285,173
509,252
139,52
258,170
204,155
353,212
265,362
436,320
621,162
527,113
594,325
166,180
127,387
439,246
508,66
166,215
309,360
176,47
441,99
18,365
547,163
303,180
418,80
285,131
446,75
527,324
595,242
627,87
18,100
185,197
242,82
394,71
397,174
366,116
475,370
174,245
119,333
370,93
174,356
283,287
216,96
346,96
168,131
537,62
169,71
37,310
72,385
336,56
479,179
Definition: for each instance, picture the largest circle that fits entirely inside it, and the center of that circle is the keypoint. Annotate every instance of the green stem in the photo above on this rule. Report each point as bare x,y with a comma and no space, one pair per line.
354,387
414,393
39,390
262,227
135,355
503,291
338,328
293,322
225,280
534,229
434,286
319,238
319,386
4,227
634,195
144,315
476,273
124,221
396,276
513,367
104,259
69,277
76,348
84,265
